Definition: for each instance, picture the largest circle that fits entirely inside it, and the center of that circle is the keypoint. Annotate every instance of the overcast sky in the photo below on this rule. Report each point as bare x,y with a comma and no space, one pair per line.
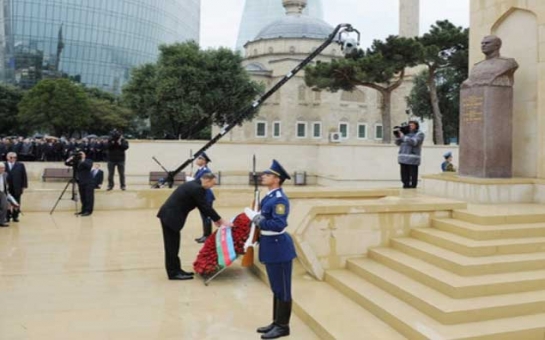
375,19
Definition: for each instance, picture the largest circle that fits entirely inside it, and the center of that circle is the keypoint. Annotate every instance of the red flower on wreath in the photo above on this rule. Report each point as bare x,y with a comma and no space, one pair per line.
207,259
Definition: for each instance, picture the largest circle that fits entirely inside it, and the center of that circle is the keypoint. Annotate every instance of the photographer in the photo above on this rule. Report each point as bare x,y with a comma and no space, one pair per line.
116,147
82,173
410,147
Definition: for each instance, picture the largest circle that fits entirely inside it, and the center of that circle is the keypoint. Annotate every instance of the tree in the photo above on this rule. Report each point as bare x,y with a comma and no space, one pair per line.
448,93
108,113
190,89
443,46
56,106
381,67
10,97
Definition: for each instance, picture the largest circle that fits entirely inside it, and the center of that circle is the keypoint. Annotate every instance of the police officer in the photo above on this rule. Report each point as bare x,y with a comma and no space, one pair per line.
202,162
276,249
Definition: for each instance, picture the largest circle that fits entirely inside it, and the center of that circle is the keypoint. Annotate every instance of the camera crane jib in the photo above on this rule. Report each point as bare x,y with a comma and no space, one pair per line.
348,45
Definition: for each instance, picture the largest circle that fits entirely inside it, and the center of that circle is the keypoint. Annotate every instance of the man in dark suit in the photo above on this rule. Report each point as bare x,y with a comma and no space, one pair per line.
98,176
173,215
276,249
82,167
117,147
17,182
3,196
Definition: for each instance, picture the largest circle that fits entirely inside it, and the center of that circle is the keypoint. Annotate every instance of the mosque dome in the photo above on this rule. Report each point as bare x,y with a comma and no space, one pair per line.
296,26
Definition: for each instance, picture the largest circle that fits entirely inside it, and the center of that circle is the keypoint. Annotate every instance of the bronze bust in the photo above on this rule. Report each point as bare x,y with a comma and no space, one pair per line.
494,70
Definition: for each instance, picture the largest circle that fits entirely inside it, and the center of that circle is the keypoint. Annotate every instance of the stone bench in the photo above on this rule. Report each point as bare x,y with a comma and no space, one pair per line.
57,174
155,176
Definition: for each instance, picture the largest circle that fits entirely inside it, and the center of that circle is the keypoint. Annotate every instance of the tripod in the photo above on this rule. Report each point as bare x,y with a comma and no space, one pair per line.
74,197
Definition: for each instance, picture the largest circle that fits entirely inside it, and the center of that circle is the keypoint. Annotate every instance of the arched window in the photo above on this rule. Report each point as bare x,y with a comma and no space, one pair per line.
302,93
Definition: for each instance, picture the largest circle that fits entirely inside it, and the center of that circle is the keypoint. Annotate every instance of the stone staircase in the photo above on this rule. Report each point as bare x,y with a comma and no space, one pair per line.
472,276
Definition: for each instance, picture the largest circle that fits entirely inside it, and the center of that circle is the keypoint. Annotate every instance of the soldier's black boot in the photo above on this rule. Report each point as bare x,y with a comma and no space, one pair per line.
15,215
282,326
267,328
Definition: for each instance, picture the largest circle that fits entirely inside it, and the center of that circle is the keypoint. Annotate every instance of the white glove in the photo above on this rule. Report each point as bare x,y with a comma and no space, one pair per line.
189,178
250,213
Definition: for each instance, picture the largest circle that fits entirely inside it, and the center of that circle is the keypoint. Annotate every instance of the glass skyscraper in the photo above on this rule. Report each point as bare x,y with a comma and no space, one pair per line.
95,42
259,13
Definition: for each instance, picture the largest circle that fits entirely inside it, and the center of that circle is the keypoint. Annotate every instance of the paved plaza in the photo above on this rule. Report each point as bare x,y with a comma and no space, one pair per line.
102,277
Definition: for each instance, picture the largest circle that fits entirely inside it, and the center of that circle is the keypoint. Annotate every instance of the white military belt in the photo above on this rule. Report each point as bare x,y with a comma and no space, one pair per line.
272,233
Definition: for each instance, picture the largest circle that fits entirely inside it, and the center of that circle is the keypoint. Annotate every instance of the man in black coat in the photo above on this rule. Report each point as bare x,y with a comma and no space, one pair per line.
173,215
86,186
117,145
17,182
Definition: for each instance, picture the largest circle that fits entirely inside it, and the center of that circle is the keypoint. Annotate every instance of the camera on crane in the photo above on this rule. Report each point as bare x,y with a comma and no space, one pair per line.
349,45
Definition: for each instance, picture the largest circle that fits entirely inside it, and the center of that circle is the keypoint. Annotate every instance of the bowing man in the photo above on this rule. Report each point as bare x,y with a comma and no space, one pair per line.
173,214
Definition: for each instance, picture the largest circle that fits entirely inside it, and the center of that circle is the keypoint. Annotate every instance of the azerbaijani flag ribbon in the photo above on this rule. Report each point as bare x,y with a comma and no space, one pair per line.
225,247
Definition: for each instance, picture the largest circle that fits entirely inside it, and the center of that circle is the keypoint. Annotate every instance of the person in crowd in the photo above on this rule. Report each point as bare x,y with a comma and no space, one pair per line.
173,214
98,176
27,151
276,248
17,182
3,196
202,161
82,168
447,165
117,146
410,149
3,149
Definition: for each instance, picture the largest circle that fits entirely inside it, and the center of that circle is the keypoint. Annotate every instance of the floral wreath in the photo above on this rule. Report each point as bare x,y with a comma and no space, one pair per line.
207,260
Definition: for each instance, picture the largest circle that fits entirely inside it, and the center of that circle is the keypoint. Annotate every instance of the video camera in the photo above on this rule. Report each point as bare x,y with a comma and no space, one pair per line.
76,155
115,135
403,128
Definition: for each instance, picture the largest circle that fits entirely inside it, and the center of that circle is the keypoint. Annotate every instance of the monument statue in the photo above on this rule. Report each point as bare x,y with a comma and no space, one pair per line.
494,70
486,114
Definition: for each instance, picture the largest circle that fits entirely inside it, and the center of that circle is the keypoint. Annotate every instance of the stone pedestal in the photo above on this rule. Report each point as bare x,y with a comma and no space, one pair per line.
486,145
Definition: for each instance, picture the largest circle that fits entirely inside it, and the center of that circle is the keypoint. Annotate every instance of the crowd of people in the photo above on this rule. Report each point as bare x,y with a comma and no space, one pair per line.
53,149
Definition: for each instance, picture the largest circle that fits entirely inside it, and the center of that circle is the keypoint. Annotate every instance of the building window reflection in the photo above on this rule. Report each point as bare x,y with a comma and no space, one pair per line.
97,42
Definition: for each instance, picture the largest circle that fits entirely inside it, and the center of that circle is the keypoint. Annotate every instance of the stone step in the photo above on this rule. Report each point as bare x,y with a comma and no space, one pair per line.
470,247
500,215
414,324
443,308
454,285
467,265
489,232
328,312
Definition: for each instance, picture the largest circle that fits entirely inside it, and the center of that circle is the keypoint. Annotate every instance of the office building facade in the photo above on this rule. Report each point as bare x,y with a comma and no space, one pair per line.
95,42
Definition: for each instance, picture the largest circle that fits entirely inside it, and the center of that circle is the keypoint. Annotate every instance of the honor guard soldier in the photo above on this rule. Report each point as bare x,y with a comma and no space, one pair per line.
276,249
202,162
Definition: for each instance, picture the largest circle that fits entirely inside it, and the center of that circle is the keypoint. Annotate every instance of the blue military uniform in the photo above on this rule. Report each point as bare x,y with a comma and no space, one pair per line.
209,193
206,222
277,251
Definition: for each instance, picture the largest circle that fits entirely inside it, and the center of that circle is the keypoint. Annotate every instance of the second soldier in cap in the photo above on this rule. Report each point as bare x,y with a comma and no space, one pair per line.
202,162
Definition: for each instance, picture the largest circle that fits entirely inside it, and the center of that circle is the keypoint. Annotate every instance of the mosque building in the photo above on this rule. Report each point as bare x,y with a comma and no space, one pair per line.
296,113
